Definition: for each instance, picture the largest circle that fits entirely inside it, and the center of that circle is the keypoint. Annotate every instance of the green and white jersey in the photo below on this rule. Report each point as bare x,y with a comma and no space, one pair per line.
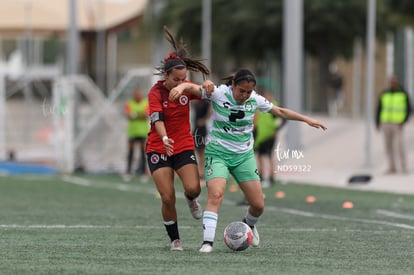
231,123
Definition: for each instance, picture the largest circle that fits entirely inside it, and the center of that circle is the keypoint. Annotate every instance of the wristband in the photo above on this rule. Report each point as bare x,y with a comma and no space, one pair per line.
164,139
203,93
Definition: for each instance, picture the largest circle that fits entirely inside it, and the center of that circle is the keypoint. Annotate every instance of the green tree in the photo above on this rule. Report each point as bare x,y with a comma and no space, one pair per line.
331,28
242,31
249,30
401,13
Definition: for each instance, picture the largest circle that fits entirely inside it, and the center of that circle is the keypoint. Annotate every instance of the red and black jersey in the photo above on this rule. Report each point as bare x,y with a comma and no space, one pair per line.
176,119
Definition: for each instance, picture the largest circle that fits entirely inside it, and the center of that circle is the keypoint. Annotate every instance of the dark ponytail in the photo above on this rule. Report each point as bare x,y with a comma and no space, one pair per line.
179,59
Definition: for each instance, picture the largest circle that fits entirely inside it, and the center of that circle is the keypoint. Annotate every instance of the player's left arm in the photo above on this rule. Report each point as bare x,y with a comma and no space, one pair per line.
292,115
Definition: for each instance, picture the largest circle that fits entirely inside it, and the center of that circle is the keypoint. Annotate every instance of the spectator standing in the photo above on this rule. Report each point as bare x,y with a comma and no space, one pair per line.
393,111
202,109
336,83
266,127
136,111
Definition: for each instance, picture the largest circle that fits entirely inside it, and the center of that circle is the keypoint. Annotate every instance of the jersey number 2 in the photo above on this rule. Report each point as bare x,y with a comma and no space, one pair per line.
236,115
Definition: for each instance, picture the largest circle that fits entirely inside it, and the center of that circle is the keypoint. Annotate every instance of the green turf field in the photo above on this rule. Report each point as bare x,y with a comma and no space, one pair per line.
100,225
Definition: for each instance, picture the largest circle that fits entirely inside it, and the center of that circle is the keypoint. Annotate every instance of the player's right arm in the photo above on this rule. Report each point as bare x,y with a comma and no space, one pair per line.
203,91
162,132
157,120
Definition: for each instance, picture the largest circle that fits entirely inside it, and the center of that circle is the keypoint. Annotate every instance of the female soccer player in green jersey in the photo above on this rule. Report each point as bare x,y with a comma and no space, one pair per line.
229,148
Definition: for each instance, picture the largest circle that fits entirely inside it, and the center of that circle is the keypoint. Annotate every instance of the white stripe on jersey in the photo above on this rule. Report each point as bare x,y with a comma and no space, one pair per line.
231,123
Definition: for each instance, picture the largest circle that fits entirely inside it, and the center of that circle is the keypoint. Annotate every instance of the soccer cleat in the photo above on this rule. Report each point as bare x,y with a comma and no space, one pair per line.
256,238
176,245
206,248
195,209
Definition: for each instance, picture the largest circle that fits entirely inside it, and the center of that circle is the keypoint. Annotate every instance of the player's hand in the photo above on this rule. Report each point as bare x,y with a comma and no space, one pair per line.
208,85
316,124
175,93
168,145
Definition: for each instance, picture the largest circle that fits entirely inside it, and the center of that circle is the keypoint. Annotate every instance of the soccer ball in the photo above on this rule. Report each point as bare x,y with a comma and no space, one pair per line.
238,236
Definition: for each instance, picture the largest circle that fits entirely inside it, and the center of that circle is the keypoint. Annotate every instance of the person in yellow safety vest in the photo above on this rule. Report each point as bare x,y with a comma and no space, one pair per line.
266,127
393,111
136,111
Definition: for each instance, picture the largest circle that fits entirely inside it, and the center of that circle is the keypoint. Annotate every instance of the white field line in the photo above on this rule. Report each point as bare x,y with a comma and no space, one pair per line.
336,230
332,217
312,230
53,226
125,187
80,226
76,180
110,185
395,214
161,228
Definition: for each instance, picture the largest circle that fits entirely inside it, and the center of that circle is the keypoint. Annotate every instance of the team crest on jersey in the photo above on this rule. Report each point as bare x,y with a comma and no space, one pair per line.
155,159
248,106
183,100
209,171
165,104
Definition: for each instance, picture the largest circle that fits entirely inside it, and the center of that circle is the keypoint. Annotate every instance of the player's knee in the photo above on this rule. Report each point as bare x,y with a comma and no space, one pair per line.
193,191
215,197
168,201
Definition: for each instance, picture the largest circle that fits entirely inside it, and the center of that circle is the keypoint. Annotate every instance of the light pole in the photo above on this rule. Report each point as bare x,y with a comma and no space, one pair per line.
206,33
370,79
293,65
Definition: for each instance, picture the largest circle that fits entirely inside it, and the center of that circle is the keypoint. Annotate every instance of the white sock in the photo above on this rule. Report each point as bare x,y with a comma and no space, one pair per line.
250,220
209,225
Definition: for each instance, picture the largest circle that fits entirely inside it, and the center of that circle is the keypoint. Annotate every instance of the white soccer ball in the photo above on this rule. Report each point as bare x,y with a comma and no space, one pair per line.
238,236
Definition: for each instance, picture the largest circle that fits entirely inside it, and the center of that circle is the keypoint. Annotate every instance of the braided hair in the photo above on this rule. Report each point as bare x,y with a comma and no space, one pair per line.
179,58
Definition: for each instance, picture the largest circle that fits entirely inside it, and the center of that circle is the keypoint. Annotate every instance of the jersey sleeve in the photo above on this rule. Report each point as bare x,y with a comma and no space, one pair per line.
218,90
154,101
191,96
263,104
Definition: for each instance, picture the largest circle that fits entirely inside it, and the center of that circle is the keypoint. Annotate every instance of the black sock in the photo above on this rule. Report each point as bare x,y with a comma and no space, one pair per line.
129,164
172,230
207,242
141,166
188,197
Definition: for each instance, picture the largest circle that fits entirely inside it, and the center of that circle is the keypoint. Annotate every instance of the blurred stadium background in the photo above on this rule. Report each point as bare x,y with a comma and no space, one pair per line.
68,66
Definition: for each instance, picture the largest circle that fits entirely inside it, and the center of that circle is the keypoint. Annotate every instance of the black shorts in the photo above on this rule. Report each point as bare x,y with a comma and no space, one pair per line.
266,147
158,160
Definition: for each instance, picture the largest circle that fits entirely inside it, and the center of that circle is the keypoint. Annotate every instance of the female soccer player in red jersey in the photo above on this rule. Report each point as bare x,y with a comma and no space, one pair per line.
170,145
